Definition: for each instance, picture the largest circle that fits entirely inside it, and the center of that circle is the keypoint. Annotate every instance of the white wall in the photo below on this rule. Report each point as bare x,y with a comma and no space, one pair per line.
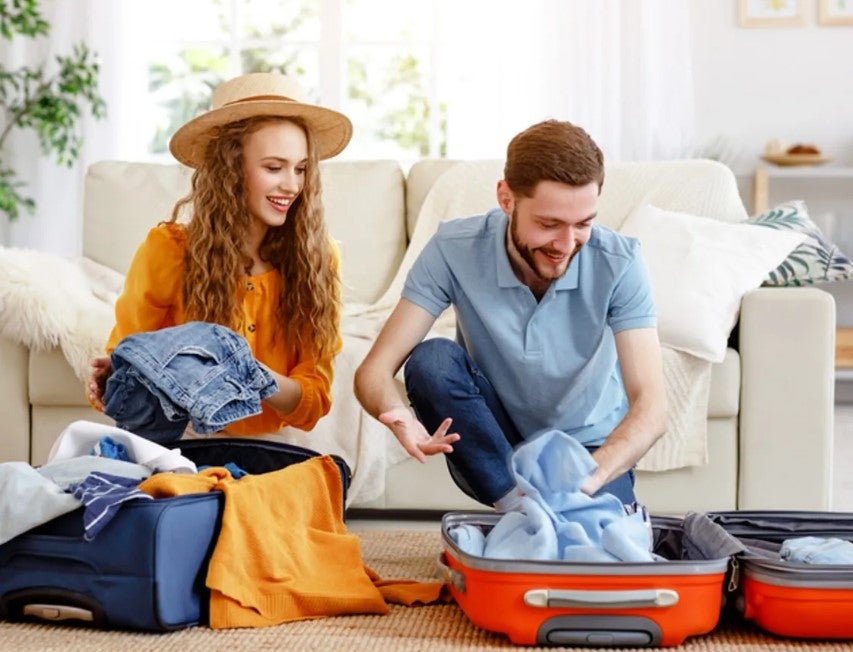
755,84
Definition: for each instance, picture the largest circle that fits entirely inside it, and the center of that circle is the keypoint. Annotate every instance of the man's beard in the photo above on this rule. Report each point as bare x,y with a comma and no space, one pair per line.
527,254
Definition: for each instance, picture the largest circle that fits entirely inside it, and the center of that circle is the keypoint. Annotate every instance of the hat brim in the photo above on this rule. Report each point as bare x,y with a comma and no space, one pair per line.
330,130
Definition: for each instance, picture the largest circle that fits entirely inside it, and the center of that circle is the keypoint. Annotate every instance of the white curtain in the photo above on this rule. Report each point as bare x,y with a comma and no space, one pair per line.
620,69
58,191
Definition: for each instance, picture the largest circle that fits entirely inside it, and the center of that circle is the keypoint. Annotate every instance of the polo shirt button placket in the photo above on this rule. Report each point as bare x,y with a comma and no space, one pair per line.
250,286
251,328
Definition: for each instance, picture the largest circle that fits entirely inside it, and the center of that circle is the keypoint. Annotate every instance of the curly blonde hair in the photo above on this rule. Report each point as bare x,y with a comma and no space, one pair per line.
300,249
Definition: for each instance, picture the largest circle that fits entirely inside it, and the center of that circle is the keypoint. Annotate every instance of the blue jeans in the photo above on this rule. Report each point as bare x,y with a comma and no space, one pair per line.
196,372
135,406
443,381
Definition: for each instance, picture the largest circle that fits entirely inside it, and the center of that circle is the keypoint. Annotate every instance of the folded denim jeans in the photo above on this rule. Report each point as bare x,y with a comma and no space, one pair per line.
198,373
818,550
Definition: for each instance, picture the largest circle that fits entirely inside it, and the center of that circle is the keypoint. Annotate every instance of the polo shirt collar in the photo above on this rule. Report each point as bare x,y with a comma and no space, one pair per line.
507,277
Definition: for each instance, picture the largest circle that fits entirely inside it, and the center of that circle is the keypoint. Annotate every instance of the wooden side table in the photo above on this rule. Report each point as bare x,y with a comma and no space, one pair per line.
765,173
760,191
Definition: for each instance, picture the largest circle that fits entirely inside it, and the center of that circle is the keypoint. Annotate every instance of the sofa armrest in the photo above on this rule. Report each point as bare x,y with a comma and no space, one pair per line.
787,348
14,402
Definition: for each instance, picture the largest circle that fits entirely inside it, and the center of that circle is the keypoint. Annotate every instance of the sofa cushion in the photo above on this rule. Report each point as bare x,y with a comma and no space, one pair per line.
420,179
122,201
364,203
724,396
14,435
696,186
365,211
52,382
700,268
816,260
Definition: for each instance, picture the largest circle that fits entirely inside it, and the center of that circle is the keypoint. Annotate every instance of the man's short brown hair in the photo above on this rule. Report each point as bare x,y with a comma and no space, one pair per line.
552,151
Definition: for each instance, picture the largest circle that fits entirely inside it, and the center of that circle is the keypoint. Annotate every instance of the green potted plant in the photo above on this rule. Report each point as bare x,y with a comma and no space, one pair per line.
49,103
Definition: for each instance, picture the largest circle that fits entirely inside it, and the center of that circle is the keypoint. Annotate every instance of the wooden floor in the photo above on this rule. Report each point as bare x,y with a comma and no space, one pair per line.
844,348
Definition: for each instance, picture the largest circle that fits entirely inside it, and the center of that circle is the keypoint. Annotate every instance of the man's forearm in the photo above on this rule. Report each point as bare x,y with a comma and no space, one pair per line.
376,391
642,426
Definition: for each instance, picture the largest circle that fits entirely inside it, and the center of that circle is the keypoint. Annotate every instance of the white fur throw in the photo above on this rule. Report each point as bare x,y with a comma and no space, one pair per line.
49,301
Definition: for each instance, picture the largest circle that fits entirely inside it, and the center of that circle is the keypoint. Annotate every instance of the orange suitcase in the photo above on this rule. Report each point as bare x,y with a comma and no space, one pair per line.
568,603
787,598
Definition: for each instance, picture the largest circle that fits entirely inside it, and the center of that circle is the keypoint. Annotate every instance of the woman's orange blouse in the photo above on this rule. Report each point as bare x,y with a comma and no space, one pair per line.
152,299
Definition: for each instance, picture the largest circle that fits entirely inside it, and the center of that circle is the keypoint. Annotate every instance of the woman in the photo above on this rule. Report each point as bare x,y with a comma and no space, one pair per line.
256,255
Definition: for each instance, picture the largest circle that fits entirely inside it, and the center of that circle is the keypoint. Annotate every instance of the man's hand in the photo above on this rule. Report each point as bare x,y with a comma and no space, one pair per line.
593,483
413,436
97,383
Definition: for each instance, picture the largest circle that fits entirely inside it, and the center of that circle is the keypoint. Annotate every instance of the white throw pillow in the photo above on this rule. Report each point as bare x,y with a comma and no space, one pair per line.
700,268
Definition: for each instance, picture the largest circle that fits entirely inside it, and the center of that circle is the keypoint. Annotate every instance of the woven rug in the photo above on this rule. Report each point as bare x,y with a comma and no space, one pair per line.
392,554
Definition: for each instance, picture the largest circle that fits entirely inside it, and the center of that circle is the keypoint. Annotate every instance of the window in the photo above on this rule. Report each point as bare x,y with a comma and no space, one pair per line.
418,79
371,59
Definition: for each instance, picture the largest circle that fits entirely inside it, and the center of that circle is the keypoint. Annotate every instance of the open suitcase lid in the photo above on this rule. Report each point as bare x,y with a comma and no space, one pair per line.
775,526
778,525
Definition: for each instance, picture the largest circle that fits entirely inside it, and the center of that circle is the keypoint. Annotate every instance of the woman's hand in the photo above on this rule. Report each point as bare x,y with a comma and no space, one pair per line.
288,394
97,383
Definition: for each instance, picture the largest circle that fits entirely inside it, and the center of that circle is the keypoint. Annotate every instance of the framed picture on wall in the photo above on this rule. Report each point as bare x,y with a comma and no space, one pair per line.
835,12
771,13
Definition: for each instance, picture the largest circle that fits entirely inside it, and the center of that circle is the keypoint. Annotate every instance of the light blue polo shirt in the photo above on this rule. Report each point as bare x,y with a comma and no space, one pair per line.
552,362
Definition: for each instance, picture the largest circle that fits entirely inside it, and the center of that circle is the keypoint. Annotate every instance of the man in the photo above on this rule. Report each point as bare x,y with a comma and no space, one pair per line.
555,327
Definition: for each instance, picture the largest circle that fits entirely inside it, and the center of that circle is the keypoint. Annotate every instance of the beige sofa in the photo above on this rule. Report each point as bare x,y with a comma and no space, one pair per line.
770,416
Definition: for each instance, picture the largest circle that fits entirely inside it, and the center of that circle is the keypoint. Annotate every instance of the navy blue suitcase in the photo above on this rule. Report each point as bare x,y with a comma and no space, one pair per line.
146,569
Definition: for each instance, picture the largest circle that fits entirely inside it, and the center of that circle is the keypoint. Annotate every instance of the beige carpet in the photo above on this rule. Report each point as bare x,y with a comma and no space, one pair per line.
392,554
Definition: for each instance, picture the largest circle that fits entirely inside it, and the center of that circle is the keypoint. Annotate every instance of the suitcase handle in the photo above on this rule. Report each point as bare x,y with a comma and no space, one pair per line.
450,575
51,604
547,598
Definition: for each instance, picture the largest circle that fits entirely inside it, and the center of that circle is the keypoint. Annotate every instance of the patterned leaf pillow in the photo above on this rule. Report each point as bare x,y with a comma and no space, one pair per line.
816,260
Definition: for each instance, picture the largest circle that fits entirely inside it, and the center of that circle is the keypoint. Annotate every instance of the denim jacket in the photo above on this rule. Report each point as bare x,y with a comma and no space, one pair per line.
199,372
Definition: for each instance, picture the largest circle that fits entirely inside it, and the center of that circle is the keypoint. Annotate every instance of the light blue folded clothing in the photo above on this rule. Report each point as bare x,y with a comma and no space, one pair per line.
627,538
555,520
550,469
469,538
585,554
817,550
571,533
527,533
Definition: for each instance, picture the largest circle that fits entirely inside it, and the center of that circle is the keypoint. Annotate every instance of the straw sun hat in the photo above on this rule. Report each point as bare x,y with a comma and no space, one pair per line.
256,94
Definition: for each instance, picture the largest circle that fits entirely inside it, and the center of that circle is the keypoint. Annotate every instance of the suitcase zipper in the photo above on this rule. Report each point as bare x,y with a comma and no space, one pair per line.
734,580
